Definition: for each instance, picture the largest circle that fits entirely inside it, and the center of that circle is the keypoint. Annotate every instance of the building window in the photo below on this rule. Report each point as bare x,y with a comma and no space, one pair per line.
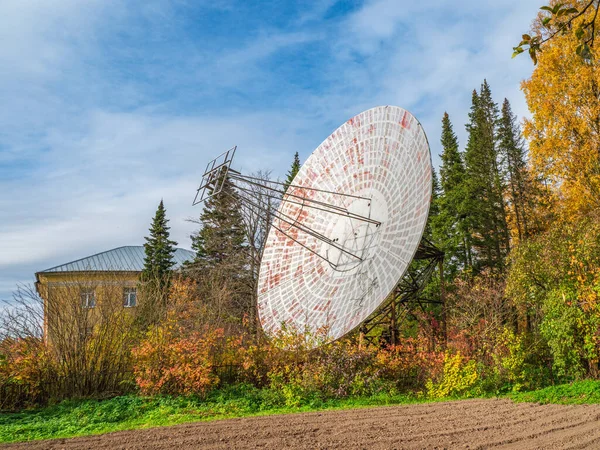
88,299
129,297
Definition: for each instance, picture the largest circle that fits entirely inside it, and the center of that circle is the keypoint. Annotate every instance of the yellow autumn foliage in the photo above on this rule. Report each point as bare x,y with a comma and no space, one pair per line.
459,375
563,95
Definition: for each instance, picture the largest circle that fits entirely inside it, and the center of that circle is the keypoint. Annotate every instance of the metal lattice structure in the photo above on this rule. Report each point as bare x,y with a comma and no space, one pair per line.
407,296
214,176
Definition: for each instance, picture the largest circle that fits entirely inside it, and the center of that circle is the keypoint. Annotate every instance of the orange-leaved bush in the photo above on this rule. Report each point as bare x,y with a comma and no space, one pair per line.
410,363
25,370
171,361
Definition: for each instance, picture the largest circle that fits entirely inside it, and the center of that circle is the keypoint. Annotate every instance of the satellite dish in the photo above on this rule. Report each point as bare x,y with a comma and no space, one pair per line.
348,227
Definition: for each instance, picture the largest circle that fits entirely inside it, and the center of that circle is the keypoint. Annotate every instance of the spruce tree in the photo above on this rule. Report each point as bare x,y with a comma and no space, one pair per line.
222,266
434,209
159,249
452,169
450,227
512,149
221,238
484,199
292,172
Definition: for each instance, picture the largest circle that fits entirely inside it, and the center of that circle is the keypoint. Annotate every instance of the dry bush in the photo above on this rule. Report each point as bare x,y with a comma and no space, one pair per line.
299,372
208,301
410,364
85,348
478,312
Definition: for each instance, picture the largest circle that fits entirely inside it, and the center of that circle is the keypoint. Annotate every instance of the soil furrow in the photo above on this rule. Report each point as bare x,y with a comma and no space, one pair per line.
458,424
554,431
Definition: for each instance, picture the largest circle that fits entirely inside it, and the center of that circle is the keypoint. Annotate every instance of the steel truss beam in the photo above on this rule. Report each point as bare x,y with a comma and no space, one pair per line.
219,170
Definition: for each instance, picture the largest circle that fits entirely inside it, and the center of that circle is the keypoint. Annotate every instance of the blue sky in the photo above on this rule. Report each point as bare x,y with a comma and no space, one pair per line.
109,106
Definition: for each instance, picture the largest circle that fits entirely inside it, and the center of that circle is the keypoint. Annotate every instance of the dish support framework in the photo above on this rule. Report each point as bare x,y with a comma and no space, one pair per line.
408,296
219,171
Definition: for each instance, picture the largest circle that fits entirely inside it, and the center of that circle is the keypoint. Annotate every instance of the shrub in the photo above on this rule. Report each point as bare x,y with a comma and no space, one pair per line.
554,279
25,372
305,375
571,334
478,313
409,364
309,375
459,375
170,362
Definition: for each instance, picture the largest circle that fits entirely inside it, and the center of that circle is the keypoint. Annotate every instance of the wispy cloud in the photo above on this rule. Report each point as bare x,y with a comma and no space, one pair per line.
109,106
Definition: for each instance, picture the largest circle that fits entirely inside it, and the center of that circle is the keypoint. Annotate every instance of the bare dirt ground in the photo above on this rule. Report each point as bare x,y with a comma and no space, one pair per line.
472,424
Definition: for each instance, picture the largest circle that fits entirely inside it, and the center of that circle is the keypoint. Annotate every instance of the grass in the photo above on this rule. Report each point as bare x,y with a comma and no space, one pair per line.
86,417
576,393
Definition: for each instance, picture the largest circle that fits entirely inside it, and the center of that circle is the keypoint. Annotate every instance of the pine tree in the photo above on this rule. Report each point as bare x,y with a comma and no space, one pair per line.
484,200
512,149
292,172
159,249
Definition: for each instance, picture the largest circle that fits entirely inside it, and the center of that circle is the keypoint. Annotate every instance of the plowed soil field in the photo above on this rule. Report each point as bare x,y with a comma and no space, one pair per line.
463,424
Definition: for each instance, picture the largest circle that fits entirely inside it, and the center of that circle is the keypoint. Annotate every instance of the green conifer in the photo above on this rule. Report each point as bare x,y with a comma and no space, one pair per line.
292,172
450,228
159,249
484,199
452,169
222,265
434,208
222,236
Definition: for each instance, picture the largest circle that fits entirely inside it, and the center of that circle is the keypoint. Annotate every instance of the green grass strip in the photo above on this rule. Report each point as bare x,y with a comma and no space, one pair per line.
576,393
87,417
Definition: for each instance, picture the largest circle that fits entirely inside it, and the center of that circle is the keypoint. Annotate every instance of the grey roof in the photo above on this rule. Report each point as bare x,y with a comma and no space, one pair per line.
122,259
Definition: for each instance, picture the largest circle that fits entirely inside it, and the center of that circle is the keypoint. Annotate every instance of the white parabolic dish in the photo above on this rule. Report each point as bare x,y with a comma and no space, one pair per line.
381,157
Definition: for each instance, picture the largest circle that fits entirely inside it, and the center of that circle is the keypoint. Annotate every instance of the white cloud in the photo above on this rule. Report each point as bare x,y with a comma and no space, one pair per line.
101,190
39,36
429,56
88,148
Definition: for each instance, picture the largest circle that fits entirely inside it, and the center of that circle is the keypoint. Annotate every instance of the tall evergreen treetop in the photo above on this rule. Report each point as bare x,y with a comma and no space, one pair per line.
292,172
450,227
222,236
159,249
484,183
512,149
452,169
510,139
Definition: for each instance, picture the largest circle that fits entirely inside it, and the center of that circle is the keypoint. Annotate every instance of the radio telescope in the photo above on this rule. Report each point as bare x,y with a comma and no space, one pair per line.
346,230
